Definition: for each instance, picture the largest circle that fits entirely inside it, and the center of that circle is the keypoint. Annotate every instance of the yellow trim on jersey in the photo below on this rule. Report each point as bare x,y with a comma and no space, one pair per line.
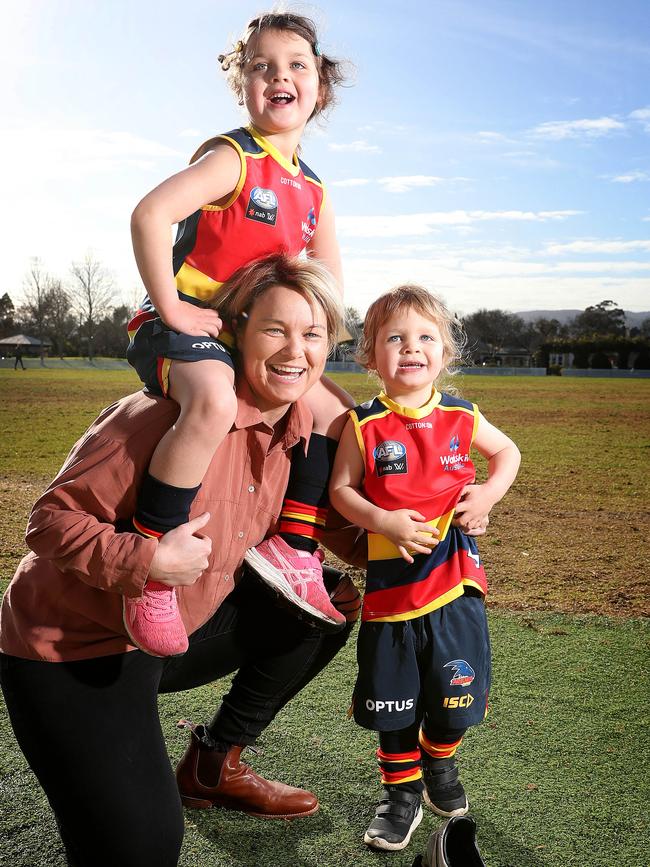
382,414
475,428
381,548
290,166
447,597
164,375
356,424
458,409
410,411
322,205
190,281
242,177
469,582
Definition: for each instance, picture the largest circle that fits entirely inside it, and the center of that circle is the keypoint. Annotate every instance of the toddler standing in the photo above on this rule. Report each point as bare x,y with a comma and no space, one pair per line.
403,471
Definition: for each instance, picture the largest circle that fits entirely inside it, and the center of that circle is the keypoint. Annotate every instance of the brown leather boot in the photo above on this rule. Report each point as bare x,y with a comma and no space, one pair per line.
207,778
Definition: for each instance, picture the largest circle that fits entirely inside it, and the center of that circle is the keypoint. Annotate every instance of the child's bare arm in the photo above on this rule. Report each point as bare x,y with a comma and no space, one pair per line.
406,528
324,246
210,179
503,459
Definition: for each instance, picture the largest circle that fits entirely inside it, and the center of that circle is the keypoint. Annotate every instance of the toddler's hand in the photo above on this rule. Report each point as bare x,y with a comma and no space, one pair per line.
189,319
408,530
479,530
473,507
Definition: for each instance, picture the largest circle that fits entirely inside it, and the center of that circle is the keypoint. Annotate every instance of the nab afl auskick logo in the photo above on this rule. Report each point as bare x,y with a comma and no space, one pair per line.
390,458
262,206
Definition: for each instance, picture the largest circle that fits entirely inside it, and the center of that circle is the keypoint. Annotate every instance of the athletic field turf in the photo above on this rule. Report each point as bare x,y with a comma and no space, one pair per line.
558,773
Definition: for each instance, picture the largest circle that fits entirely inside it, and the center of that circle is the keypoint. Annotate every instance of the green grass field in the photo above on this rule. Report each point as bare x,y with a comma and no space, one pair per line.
558,773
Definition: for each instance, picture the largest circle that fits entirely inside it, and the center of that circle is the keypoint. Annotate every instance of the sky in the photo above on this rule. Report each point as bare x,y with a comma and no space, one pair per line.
496,151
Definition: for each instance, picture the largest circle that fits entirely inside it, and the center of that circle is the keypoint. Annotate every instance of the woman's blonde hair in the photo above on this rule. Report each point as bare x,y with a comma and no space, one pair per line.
306,277
331,72
413,297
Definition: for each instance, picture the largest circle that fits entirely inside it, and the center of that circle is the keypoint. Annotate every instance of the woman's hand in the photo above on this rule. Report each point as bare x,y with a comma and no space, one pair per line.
409,531
182,554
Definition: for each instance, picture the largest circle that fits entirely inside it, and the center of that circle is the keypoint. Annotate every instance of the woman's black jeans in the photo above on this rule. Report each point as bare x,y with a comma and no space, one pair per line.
90,730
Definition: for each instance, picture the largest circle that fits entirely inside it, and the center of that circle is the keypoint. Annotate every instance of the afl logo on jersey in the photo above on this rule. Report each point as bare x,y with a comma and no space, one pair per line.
390,458
262,206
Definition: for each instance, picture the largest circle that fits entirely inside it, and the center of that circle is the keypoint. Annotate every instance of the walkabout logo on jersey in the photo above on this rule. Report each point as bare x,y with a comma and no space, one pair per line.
262,206
309,226
455,459
390,458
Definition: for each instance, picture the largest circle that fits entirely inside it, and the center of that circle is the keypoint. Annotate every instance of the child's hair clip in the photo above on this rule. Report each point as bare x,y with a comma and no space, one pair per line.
317,50
226,59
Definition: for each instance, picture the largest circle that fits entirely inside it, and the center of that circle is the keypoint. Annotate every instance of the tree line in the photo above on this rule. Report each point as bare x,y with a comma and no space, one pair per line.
595,334
80,317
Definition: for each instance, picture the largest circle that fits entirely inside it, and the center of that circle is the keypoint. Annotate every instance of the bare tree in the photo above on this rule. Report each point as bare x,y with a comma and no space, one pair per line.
92,296
35,309
61,320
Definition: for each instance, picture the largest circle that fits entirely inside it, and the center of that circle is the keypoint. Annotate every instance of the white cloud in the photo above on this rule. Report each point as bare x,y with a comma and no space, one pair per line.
598,246
359,146
397,184
557,130
73,152
489,137
530,159
630,177
404,183
642,115
602,267
405,225
190,133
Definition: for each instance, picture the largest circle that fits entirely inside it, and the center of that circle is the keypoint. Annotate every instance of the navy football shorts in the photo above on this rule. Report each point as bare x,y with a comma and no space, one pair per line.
436,667
153,343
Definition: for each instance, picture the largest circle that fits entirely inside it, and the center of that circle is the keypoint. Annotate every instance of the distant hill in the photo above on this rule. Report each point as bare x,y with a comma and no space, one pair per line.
632,318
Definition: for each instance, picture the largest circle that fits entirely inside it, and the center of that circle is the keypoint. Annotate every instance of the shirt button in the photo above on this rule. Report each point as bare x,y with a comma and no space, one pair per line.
251,489
240,535
226,577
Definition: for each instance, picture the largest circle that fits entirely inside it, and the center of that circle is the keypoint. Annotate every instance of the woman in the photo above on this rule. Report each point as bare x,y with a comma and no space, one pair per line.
82,701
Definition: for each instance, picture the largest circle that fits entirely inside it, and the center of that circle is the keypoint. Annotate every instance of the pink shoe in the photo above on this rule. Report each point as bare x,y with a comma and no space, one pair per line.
297,579
153,622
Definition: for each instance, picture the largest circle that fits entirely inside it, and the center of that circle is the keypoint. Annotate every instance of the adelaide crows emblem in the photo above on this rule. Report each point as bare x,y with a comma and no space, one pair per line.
463,673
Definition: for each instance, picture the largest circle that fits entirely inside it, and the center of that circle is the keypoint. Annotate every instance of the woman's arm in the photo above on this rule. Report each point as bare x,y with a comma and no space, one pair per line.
406,528
73,525
503,459
211,179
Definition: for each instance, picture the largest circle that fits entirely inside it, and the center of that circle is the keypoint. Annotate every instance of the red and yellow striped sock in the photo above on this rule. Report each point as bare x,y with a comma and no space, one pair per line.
438,749
397,768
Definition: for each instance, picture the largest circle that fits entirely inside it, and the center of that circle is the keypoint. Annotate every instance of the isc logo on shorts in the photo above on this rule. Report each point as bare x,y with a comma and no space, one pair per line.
457,701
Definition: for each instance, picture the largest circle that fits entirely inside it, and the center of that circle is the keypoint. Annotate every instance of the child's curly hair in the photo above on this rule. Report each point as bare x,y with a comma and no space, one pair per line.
413,297
330,71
